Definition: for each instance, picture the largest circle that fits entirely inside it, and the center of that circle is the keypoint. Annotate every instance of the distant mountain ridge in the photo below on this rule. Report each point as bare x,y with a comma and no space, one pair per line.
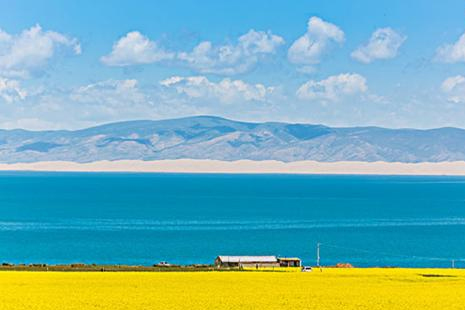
208,137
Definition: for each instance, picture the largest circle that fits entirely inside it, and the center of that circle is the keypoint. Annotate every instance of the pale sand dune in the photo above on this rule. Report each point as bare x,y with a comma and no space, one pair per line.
246,166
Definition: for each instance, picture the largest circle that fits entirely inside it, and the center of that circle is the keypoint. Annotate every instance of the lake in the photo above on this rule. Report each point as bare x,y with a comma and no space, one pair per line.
125,218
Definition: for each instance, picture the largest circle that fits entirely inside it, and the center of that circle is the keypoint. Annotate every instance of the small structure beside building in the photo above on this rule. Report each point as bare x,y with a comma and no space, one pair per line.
289,262
256,261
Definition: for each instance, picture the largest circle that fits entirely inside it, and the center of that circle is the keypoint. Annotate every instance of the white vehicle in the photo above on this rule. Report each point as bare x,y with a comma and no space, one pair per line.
306,269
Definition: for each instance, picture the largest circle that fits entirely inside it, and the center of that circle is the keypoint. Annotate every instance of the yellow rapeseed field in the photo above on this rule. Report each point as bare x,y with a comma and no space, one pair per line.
330,289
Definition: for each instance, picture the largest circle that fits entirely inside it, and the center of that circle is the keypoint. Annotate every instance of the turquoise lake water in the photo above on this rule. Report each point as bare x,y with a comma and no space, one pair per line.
185,218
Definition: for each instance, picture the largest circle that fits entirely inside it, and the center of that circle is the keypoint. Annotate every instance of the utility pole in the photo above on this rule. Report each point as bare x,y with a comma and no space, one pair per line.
318,254
453,263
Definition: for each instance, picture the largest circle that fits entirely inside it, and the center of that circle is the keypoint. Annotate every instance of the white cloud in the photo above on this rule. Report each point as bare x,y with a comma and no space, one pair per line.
225,91
31,49
454,88
133,49
383,44
30,124
333,88
307,69
232,59
309,48
110,92
11,91
452,53
118,100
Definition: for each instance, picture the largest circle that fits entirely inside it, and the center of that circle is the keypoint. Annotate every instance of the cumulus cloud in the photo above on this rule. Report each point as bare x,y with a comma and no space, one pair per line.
333,88
28,51
134,49
383,44
452,53
225,91
109,92
125,99
454,88
309,48
230,59
11,91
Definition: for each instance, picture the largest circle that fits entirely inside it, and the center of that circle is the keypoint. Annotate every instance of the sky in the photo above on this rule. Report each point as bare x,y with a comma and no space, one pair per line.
76,64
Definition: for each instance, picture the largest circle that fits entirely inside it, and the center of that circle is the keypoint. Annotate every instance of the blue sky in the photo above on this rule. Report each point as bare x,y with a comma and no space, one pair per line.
340,63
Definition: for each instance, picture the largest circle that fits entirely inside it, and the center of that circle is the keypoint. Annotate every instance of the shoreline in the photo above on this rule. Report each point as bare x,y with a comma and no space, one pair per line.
187,268
456,168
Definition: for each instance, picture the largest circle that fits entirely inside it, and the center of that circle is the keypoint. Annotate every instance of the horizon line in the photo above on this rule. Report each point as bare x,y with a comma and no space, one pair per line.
103,124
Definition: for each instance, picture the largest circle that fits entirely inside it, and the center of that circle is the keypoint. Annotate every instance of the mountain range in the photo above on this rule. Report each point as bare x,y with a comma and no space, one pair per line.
208,137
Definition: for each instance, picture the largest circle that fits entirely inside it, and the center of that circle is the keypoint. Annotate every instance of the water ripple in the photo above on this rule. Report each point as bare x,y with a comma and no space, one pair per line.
215,225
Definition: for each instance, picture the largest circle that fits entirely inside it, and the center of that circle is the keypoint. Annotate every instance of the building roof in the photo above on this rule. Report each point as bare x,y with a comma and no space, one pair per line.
248,259
288,258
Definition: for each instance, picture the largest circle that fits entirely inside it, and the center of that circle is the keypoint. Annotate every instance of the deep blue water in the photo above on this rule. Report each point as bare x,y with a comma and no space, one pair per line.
185,218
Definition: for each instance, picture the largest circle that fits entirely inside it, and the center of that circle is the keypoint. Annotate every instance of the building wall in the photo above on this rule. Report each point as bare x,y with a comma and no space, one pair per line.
292,263
260,265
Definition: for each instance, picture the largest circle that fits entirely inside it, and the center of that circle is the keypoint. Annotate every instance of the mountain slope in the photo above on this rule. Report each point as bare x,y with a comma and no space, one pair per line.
206,137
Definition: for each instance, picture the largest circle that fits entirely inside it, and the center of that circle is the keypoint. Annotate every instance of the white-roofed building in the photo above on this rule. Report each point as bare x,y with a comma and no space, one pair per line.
246,261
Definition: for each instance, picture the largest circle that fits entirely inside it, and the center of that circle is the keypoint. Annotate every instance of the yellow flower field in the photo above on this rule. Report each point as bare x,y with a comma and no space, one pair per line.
330,289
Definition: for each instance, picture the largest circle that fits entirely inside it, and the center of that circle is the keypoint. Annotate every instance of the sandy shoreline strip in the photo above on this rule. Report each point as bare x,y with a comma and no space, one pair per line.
246,166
